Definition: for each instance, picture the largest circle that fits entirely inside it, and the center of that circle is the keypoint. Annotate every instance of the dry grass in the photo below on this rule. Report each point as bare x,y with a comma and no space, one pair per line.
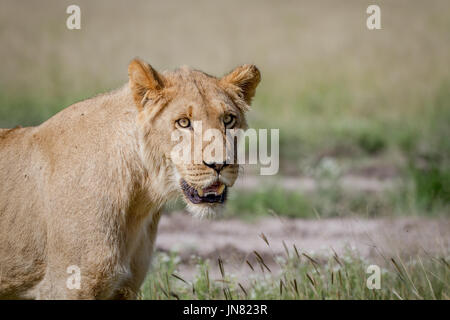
301,276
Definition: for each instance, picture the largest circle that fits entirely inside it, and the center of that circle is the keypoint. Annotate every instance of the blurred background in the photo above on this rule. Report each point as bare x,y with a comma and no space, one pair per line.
364,115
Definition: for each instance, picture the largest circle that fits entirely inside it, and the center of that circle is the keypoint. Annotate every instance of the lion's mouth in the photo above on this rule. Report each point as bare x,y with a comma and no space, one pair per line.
215,193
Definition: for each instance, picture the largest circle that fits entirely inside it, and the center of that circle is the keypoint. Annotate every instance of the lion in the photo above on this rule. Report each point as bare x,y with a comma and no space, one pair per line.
81,195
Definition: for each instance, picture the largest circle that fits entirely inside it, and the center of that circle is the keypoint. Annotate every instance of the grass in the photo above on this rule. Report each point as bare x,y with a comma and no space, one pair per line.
429,158
298,275
250,205
332,202
432,186
329,203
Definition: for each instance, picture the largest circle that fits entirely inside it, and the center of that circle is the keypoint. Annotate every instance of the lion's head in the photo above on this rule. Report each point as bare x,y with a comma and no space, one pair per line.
191,102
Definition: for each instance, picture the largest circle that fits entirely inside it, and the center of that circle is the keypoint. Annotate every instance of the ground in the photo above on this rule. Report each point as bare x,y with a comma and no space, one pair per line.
235,242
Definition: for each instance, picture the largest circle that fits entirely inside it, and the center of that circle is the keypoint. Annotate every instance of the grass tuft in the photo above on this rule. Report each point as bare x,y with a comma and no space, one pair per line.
319,277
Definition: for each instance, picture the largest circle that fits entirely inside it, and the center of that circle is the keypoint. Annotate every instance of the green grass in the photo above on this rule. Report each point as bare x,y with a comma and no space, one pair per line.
334,202
254,204
298,275
432,187
429,158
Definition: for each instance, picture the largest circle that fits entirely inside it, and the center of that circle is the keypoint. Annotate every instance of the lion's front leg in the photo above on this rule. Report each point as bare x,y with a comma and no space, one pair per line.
67,281
140,261
114,266
83,265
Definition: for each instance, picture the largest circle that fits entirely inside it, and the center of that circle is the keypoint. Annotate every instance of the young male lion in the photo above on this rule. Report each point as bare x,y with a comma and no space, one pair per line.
84,190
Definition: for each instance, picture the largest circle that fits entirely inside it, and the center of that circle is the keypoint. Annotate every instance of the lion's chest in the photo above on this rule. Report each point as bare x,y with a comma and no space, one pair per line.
138,247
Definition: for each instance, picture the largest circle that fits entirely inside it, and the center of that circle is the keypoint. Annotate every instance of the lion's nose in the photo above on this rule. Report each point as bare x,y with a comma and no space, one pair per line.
216,166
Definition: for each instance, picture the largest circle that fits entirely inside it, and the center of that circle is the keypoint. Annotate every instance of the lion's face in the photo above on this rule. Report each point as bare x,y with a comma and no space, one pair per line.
190,105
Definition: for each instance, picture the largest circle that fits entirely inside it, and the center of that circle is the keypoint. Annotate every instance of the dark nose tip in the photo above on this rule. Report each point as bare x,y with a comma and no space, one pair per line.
216,166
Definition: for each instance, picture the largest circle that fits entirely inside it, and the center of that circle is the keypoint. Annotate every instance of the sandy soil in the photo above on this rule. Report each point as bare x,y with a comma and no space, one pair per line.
234,241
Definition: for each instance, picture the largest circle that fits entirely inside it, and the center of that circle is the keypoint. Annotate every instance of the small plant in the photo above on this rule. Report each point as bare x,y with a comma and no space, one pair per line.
371,142
432,186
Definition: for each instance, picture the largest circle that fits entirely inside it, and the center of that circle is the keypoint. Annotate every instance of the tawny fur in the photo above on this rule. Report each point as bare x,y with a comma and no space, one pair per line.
86,187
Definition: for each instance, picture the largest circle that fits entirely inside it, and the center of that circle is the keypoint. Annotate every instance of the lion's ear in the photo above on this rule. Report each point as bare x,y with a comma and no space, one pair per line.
144,80
245,79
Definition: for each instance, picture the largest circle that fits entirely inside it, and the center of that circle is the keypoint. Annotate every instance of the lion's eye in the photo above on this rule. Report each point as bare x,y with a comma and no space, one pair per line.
229,120
184,122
